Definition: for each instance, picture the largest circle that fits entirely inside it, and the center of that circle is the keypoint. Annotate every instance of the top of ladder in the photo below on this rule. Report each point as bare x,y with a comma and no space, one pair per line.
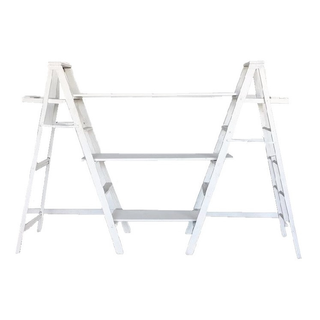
59,64
249,98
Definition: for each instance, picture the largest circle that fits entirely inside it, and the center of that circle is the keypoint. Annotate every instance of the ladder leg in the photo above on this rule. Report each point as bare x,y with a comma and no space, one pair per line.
89,146
112,197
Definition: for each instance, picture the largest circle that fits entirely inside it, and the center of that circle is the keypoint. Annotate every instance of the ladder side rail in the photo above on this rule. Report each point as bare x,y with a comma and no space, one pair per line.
111,196
34,161
74,111
222,149
279,160
54,93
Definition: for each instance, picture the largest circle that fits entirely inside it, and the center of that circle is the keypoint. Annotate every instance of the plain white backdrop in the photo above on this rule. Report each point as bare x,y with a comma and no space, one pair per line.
242,269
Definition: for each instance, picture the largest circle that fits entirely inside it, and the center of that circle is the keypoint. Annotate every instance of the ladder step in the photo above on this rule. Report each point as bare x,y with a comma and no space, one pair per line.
205,187
154,215
155,156
279,191
265,128
107,187
60,125
38,99
29,224
42,163
87,128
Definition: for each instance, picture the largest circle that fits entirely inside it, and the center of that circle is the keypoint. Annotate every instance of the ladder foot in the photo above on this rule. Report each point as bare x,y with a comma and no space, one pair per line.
18,249
190,250
283,232
295,241
118,251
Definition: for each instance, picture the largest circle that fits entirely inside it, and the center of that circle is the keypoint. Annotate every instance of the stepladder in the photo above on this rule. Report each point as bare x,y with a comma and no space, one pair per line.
61,80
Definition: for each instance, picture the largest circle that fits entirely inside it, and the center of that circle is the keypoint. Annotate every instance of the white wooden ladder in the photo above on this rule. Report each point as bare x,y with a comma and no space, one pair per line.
61,76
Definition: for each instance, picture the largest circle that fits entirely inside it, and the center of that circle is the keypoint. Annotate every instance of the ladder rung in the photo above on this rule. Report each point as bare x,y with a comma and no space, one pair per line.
38,99
87,128
29,224
154,215
60,125
155,156
42,163
265,128
107,187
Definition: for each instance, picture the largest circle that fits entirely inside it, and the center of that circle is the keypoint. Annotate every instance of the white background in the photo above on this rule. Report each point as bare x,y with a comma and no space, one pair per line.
242,269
